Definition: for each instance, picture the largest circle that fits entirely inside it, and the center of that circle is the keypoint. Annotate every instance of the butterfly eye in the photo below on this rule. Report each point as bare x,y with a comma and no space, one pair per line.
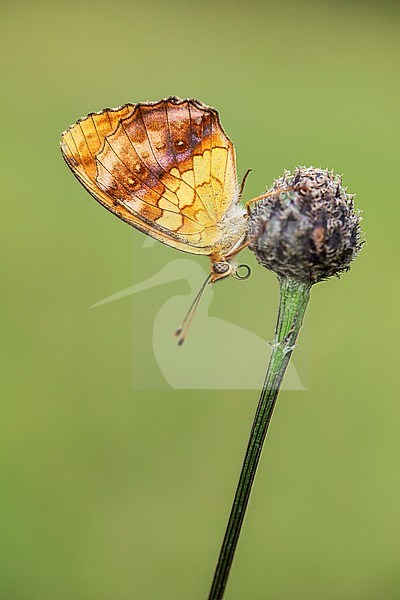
221,267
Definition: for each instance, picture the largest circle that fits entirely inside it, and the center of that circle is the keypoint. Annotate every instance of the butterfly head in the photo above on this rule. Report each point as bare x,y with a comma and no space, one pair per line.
220,270
223,268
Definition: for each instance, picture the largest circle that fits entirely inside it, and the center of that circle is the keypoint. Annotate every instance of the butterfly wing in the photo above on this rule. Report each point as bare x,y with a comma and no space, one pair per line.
167,168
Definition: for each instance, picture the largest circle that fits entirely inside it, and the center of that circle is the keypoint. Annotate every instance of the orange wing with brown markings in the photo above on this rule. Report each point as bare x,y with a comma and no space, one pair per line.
167,168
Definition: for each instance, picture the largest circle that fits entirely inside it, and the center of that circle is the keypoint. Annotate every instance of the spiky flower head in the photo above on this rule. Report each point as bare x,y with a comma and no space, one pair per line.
308,227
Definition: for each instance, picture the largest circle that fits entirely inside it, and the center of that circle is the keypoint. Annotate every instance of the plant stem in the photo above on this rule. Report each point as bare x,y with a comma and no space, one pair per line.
294,296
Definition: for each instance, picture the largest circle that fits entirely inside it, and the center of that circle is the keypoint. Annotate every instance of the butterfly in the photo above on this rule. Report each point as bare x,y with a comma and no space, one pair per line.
168,169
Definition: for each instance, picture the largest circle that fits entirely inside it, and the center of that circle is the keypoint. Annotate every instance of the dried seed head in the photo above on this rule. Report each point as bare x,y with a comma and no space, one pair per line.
311,231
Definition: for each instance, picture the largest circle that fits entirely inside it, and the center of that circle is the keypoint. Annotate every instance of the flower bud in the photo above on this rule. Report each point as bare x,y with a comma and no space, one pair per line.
307,228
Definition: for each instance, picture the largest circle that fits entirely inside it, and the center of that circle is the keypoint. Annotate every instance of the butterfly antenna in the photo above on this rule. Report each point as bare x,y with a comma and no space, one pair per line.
244,182
183,329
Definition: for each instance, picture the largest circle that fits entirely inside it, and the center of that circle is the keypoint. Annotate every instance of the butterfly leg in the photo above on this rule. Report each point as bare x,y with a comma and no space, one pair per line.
249,241
272,193
241,247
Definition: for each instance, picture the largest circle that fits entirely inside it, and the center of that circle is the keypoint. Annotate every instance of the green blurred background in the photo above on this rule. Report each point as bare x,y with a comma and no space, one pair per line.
110,492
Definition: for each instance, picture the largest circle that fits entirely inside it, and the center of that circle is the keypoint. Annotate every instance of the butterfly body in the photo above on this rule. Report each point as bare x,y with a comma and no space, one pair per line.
166,168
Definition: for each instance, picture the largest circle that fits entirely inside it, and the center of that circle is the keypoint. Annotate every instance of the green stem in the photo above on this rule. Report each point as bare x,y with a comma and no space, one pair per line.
294,296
